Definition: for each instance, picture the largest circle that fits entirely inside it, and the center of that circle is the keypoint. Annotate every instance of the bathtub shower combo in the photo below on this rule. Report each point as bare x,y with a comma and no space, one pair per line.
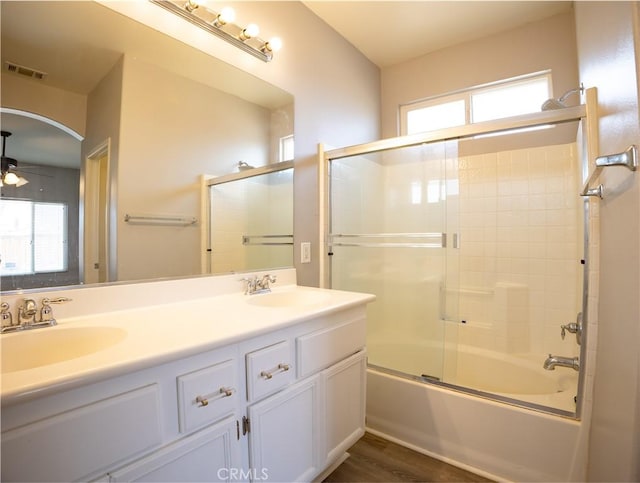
475,241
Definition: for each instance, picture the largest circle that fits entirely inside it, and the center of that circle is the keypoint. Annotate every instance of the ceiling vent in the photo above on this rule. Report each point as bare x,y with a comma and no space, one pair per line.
26,71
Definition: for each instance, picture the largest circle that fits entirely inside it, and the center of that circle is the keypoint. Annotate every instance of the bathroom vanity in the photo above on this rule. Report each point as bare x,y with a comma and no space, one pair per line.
224,387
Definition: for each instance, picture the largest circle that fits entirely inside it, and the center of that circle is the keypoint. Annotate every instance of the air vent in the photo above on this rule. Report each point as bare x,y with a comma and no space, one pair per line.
26,71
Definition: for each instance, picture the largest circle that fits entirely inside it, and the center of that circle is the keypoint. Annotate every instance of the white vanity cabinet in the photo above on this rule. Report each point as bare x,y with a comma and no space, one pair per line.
280,406
148,425
299,431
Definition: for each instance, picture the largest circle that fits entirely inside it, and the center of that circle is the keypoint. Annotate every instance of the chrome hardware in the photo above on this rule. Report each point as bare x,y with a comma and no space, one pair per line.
46,312
627,159
282,367
246,425
27,314
203,401
7,319
254,285
552,361
573,328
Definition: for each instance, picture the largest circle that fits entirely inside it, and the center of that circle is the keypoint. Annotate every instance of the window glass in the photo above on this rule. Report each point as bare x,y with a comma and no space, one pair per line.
509,100
33,237
498,100
286,148
49,236
439,116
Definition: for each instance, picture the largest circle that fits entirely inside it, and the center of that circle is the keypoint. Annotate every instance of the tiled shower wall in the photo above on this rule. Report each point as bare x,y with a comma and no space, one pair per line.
521,249
255,206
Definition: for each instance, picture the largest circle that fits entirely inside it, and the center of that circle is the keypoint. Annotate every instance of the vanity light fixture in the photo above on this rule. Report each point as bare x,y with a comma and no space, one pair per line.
221,24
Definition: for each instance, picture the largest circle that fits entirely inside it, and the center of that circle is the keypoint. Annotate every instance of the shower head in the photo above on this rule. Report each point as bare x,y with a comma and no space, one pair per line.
558,103
242,166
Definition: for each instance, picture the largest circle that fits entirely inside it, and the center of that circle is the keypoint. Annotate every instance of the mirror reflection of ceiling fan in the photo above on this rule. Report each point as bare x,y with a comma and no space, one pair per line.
10,175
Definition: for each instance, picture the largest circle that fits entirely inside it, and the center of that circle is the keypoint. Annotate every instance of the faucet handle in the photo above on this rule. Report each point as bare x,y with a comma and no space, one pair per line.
46,312
573,328
57,300
251,283
5,316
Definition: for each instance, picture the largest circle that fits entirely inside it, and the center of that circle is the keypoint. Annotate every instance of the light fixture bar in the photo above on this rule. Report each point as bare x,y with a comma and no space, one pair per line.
263,54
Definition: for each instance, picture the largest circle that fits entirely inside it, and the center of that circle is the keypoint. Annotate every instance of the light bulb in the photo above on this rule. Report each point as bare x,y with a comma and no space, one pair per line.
226,15
251,30
10,178
274,44
21,181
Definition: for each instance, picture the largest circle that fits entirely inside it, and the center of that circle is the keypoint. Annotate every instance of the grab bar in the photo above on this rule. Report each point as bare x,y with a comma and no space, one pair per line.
439,240
246,240
628,159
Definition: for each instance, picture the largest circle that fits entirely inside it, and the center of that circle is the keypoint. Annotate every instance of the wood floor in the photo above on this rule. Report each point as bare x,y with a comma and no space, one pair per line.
374,459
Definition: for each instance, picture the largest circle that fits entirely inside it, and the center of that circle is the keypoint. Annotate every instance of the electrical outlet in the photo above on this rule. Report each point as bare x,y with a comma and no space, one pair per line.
305,252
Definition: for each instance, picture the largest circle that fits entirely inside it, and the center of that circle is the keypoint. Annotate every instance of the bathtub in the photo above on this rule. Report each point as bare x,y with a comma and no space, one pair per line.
510,377
478,433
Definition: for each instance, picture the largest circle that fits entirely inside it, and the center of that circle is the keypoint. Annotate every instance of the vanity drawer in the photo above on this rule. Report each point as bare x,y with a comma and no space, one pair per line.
322,348
206,395
269,369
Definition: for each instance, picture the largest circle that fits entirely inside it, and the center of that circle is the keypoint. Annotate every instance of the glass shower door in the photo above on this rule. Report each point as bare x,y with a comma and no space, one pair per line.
388,236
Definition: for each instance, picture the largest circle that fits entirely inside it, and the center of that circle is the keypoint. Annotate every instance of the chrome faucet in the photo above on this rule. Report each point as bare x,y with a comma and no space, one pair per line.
552,361
27,315
255,285
27,312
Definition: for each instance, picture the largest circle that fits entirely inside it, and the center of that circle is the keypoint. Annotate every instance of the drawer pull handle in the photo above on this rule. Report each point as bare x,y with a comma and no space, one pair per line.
282,367
203,401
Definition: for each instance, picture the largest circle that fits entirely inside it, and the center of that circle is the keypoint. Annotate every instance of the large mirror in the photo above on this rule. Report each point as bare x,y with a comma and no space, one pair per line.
110,119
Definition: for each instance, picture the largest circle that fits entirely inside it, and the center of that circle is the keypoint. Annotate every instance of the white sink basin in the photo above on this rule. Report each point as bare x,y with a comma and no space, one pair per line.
41,347
291,298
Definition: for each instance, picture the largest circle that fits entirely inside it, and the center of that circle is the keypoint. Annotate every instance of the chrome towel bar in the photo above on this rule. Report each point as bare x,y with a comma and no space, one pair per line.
160,220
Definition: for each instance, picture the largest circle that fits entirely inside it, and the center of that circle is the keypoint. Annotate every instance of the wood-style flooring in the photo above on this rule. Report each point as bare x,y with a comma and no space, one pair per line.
374,459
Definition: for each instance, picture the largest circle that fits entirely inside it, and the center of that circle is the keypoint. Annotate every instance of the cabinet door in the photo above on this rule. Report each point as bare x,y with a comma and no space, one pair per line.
285,438
344,387
211,454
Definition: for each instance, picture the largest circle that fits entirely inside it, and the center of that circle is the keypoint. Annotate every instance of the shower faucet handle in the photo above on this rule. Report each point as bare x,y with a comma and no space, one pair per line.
573,328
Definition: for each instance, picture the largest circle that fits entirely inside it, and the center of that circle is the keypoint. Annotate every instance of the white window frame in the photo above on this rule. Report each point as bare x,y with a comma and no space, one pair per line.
467,94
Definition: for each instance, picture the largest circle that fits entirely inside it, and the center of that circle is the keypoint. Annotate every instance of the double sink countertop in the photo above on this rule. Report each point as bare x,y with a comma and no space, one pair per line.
92,347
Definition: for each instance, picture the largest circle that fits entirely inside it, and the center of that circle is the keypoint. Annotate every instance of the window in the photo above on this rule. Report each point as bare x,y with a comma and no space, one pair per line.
33,237
286,148
511,97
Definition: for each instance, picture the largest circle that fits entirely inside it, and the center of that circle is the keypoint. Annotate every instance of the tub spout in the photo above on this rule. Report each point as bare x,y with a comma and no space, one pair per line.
553,361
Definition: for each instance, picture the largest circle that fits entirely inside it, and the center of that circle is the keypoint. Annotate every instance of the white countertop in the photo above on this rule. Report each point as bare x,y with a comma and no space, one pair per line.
164,332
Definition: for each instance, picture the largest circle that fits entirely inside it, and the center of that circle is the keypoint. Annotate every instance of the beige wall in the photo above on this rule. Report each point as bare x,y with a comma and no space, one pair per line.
164,148
607,59
103,124
537,46
62,106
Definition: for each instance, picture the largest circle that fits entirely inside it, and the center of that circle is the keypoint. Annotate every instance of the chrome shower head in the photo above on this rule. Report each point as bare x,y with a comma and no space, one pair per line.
558,103
242,166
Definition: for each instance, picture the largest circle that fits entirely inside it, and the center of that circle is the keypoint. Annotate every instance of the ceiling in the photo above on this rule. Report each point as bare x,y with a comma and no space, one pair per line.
391,32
